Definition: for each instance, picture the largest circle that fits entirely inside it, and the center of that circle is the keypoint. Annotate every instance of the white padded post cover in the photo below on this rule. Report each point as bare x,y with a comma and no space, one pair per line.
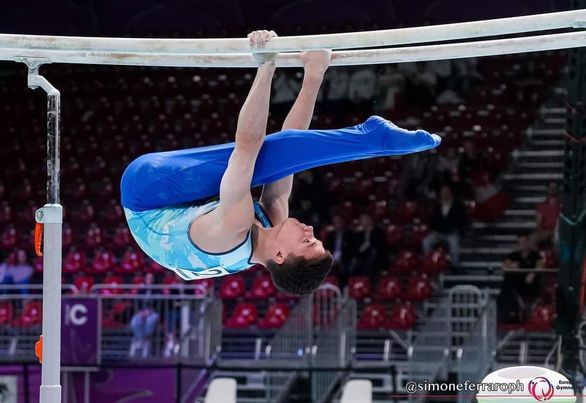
221,390
357,391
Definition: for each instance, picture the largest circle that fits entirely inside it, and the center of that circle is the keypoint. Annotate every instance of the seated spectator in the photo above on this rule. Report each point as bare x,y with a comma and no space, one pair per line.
143,323
370,243
519,289
336,83
362,87
470,164
422,86
18,271
285,89
391,87
341,241
448,222
546,220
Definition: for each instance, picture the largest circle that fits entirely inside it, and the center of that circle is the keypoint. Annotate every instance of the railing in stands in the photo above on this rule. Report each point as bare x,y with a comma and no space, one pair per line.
333,352
138,323
475,356
443,332
290,348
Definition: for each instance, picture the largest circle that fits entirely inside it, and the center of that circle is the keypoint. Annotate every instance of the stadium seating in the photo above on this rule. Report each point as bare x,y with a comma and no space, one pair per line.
388,289
373,317
232,287
401,317
359,287
275,316
262,288
244,315
31,315
6,313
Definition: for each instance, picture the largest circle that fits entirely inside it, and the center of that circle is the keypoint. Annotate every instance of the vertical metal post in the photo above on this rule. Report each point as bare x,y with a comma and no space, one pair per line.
51,216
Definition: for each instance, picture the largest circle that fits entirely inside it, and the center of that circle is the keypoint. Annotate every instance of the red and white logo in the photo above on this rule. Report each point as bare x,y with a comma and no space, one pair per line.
541,388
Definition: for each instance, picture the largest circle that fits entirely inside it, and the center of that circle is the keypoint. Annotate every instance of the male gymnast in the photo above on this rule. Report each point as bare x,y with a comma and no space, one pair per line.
171,202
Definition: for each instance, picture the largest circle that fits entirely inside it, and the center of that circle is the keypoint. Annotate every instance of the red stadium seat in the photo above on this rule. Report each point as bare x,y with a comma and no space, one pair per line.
244,315
6,312
122,238
262,287
547,259
9,238
333,280
418,288
275,316
406,212
232,287
67,236
114,283
103,262
83,215
435,261
402,317
417,234
541,318
38,264
404,262
74,262
83,284
373,317
6,214
112,318
171,279
94,237
113,213
359,287
393,235
201,287
389,288
153,267
31,315
132,261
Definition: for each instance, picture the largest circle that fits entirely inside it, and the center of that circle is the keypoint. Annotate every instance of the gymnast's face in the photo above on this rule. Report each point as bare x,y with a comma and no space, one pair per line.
297,239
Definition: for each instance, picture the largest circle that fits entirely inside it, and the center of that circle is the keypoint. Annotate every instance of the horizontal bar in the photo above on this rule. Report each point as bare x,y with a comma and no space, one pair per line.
339,58
353,40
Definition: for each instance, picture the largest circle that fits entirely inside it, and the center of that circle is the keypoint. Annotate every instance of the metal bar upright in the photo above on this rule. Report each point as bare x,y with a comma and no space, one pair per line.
51,216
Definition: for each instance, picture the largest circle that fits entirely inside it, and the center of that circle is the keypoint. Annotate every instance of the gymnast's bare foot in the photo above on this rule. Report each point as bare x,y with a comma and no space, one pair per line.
316,62
258,40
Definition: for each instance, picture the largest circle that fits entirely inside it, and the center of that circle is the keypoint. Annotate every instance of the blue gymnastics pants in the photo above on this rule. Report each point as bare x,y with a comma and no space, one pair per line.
171,178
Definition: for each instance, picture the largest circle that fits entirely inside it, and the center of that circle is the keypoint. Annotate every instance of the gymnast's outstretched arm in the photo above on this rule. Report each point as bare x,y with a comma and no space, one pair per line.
230,222
275,196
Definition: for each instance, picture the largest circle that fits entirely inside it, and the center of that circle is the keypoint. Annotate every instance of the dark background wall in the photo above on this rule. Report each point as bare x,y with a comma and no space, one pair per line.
196,18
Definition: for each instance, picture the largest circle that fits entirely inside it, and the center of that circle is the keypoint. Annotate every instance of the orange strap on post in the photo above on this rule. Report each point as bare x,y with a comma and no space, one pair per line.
38,239
39,349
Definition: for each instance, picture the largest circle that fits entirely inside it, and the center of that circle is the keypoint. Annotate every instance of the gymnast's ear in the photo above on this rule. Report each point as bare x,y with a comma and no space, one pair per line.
279,257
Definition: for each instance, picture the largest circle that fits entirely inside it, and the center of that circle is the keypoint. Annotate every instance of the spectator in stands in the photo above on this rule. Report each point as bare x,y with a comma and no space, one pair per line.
548,213
336,83
449,96
391,85
17,270
519,289
447,166
285,89
448,223
362,87
341,241
470,165
417,176
422,86
370,243
144,322
311,200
